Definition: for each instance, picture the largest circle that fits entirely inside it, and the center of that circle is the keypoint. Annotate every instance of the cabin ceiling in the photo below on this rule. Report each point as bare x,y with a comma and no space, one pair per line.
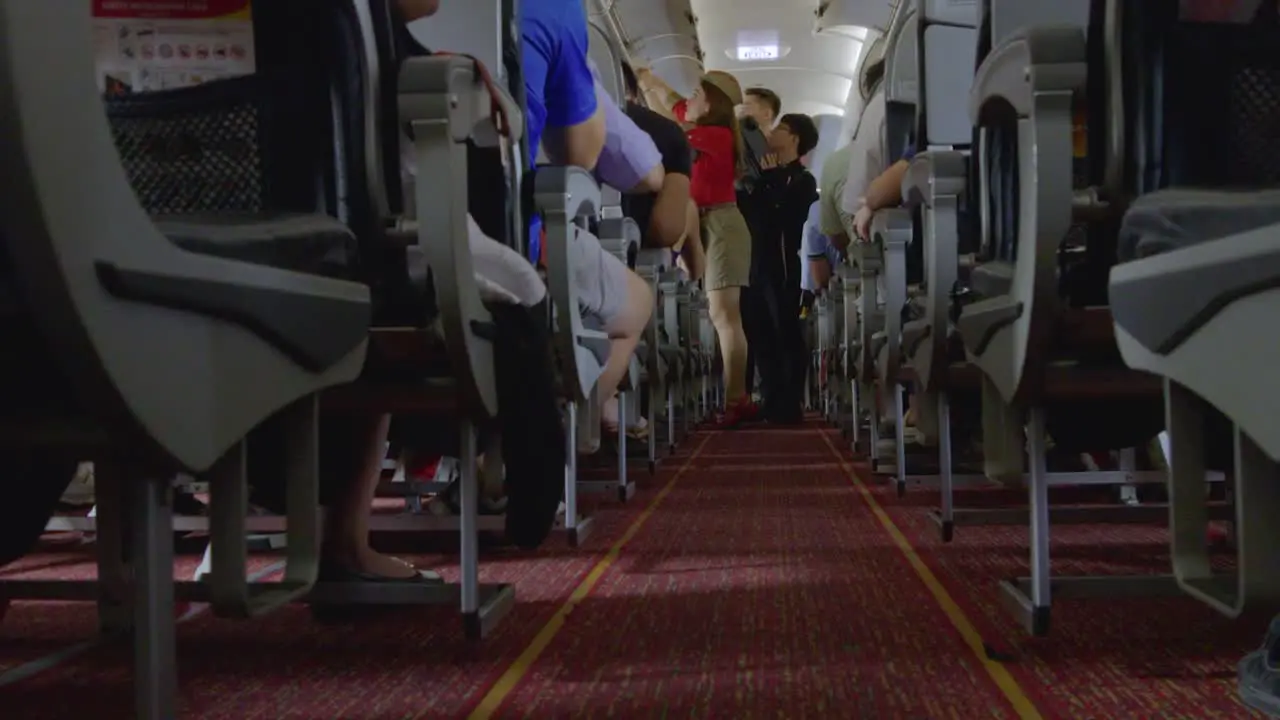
813,73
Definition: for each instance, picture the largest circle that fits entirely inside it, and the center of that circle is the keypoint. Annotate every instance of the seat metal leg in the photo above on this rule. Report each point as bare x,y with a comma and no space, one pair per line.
945,469
1038,491
855,421
468,525
671,418
873,428
622,447
900,436
571,471
154,633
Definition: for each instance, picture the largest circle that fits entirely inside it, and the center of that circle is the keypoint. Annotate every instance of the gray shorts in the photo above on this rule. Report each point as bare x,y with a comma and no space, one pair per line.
600,278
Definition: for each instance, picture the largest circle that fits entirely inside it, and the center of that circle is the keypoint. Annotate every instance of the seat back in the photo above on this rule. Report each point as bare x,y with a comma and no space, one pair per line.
1001,18
992,209
136,321
901,86
947,47
1204,97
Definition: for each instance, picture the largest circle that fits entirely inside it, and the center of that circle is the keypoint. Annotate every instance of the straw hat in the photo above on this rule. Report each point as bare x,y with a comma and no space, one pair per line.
725,83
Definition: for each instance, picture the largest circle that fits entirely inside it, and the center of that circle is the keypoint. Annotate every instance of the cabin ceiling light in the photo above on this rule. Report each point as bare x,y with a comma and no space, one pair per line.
758,53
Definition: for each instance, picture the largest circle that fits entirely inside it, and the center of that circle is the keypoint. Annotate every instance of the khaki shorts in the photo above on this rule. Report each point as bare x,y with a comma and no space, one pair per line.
728,242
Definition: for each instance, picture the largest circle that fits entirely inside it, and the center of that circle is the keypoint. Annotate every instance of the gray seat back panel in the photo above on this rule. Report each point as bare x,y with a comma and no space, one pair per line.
949,55
1161,309
1171,219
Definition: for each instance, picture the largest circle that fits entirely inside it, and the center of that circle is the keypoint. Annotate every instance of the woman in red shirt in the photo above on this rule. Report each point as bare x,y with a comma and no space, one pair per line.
710,121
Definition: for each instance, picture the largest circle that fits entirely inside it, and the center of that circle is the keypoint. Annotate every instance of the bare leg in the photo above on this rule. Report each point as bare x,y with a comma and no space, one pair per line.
347,529
624,331
725,306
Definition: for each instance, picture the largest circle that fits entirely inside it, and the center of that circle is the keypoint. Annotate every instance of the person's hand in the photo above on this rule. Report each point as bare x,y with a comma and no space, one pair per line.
862,224
768,161
644,75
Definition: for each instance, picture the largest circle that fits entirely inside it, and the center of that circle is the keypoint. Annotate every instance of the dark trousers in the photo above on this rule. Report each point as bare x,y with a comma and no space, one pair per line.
781,354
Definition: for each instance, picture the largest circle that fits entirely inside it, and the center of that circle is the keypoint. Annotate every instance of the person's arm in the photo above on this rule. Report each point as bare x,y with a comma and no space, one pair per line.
883,192
575,130
669,220
820,272
815,247
659,96
886,190
630,160
693,257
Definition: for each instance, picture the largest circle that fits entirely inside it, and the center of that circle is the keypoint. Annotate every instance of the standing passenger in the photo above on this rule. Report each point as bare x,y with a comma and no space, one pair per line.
711,123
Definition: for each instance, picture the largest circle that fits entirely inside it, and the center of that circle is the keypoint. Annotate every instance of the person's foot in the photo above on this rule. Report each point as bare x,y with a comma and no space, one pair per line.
638,431
735,414
372,565
80,493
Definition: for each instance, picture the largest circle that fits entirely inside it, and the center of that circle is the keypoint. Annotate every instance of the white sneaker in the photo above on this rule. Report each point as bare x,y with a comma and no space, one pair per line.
80,492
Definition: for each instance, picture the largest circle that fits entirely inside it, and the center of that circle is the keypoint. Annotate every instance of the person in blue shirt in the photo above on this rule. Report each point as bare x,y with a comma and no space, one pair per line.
565,117
818,255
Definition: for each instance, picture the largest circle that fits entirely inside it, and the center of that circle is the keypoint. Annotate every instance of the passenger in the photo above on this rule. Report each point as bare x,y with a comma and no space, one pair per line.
787,192
833,222
663,216
866,154
763,106
713,131
820,254
885,191
562,110
666,215
566,119
760,111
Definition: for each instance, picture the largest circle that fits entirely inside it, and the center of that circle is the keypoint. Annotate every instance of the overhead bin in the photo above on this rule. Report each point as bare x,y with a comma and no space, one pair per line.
835,15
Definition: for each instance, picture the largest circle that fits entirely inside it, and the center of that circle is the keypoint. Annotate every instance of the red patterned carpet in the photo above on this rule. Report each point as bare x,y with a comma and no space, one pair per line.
764,583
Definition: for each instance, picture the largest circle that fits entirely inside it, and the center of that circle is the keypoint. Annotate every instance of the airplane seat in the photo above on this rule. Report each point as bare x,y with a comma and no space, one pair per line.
934,188
440,354
1198,275
881,264
179,333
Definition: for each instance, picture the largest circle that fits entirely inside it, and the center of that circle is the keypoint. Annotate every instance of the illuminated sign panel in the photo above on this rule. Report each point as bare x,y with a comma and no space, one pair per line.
751,53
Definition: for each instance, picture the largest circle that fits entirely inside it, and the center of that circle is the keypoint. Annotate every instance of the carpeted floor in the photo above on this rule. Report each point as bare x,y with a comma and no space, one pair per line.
765,582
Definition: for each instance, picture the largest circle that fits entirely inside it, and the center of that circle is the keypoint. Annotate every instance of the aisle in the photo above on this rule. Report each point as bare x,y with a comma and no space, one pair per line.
755,576
761,586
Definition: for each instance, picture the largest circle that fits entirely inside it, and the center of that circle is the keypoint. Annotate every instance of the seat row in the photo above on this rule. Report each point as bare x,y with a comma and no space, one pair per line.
1074,290
195,267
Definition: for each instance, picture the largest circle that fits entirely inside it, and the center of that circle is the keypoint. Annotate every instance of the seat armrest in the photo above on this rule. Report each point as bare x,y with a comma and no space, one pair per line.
892,229
932,174
934,182
562,195
470,105
620,236
440,100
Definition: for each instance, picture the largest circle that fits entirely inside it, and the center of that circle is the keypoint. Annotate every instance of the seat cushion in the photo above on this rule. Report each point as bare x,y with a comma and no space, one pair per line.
1171,219
314,244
